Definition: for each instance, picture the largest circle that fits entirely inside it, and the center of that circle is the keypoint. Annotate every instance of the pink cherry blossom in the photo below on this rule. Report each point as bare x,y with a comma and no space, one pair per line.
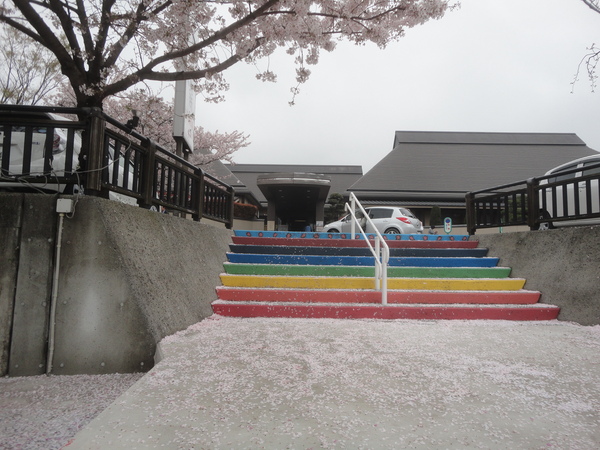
105,48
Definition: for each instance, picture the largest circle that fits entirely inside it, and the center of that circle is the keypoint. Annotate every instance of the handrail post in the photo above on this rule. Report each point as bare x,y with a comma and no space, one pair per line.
148,181
470,203
378,268
95,150
381,253
384,283
199,194
533,203
230,199
353,223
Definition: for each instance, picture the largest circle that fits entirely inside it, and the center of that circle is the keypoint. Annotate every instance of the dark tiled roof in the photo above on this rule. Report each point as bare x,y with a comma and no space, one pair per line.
448,165
221,171
300,168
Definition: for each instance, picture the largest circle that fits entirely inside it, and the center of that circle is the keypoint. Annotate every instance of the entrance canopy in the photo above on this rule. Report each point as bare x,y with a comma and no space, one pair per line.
295,200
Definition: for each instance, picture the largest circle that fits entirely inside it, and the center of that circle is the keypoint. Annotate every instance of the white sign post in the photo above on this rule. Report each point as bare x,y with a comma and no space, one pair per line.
448,225
184,118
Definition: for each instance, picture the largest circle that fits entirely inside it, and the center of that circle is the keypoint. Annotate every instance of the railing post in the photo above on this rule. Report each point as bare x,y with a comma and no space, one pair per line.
229,224
533,203
470,204
148,180
95,150
384,288
353,223
198,194
378,268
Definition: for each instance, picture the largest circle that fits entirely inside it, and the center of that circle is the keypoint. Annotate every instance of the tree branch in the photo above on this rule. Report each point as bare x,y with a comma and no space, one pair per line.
146,74
88,42
45,36
219,35
593,4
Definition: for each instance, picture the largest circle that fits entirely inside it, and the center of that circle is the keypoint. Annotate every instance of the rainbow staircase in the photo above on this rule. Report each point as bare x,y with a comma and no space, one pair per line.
329,275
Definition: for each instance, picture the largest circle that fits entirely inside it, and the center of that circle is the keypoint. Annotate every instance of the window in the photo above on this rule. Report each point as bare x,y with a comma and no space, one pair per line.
380,213
593,170
564,177
407,213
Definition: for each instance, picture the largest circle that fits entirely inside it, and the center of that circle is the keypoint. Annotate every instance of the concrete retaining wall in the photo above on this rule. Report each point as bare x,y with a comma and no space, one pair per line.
128,277
563,264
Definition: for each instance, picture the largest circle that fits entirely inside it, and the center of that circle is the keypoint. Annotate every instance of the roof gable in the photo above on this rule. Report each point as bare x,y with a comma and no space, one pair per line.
422,163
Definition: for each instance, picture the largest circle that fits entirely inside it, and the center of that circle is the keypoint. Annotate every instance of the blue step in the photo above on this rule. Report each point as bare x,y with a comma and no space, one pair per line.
323,260
358,251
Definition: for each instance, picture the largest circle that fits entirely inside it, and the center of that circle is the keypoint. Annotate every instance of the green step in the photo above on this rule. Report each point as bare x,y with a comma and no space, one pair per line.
366,271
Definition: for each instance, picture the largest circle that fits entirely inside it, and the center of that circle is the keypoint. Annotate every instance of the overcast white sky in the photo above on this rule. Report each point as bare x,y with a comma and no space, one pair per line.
491,66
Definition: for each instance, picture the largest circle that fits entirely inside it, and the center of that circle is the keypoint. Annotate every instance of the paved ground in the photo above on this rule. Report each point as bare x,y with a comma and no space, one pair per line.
270,383
45,412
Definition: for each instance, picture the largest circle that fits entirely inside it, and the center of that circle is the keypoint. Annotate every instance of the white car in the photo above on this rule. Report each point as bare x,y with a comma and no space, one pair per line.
585,194
387,220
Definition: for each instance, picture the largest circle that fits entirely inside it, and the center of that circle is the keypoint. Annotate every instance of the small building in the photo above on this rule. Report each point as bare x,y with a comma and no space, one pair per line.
429,169
292,197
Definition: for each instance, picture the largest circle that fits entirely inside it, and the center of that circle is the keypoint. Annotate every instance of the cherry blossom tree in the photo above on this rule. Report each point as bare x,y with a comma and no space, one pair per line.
593,4
28,72
105,47
156,123
590,60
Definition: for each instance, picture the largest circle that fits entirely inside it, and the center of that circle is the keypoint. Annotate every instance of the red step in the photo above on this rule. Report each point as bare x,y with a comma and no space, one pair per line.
389,312
521,297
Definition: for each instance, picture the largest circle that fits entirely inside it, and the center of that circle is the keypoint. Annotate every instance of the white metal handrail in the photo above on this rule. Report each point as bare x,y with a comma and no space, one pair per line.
381,252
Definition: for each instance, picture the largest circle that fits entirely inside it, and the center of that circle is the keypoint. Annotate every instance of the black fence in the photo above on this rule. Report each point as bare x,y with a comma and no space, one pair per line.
537,202
44,151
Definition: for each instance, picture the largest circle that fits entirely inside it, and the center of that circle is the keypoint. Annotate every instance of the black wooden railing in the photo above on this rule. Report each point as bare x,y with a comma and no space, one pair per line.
537,202
44,151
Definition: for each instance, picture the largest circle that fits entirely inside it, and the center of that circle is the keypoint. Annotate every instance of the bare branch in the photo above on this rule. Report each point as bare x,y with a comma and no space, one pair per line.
593,4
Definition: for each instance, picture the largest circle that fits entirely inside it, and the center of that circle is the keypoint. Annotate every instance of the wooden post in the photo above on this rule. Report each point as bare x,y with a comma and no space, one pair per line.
148,182
533,204
470,204
198,194
230,200
95,151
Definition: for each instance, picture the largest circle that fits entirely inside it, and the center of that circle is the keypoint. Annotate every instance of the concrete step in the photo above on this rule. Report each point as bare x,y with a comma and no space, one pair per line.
365,271
429,284
322,260
520,297
389,312
392,243
316,275
352,251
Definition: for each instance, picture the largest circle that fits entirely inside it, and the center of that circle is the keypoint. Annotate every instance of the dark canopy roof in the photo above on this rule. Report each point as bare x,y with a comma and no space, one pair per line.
341,176
447,165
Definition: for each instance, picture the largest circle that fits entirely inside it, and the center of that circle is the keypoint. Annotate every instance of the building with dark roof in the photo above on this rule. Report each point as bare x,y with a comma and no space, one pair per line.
342,177
293,196
427,169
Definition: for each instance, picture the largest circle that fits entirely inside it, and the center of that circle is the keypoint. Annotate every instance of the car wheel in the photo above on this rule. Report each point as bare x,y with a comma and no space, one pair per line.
392,231
332,230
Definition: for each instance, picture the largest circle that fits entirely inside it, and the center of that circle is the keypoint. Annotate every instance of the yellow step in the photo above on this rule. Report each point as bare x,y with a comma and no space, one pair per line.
428,284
